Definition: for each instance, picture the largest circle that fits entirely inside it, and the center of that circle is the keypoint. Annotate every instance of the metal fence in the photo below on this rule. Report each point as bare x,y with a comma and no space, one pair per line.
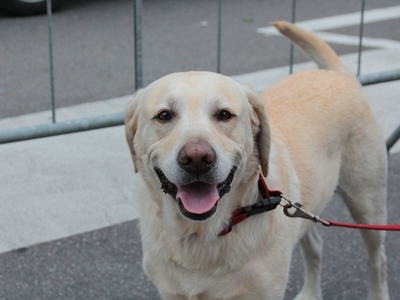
116,119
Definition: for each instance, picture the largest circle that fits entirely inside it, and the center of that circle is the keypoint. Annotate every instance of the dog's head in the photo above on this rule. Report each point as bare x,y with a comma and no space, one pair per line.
197,133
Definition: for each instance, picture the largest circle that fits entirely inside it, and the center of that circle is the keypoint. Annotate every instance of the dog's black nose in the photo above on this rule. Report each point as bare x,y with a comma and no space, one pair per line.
197,158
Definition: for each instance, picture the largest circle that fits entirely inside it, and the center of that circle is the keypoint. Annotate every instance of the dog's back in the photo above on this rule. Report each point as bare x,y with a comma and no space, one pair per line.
334,141
314,111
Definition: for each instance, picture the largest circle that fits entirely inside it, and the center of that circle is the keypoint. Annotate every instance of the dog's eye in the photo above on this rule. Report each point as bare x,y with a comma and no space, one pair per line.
224,115
164,116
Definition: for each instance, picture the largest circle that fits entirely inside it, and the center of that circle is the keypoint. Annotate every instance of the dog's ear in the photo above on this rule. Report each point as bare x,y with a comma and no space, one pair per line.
131,123
260,128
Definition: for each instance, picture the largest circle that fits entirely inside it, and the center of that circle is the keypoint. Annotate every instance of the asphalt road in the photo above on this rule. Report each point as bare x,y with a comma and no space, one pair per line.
106,264
93,45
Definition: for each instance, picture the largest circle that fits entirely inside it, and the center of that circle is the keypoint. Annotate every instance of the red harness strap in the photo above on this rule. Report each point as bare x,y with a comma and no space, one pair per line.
270,201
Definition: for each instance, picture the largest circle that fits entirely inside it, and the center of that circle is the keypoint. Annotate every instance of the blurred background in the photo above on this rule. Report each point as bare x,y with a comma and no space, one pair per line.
94,48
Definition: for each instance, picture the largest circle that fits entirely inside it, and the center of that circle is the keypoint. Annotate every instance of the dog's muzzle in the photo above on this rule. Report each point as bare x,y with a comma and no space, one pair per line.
197,201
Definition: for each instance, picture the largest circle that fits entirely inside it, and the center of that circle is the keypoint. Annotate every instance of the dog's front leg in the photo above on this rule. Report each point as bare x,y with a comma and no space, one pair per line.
311,246
169,296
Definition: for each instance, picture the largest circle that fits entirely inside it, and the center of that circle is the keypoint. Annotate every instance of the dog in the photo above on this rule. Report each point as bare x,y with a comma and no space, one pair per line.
200,141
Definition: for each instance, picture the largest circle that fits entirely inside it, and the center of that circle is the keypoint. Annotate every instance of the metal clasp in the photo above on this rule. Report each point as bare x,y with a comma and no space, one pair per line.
301,212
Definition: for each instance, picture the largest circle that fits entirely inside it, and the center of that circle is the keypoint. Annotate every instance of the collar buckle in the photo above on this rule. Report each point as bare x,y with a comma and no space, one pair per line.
262,206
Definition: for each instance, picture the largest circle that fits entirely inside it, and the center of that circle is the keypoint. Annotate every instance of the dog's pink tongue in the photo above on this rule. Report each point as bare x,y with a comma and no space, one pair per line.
198,198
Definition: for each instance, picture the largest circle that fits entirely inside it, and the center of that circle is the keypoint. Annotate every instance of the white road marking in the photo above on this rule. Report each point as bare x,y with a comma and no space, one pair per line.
345,20
355,40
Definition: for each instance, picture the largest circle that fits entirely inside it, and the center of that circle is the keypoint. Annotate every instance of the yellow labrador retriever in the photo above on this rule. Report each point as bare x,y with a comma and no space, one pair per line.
199,140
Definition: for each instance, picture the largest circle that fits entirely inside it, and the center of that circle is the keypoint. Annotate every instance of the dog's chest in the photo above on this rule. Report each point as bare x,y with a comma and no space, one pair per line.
248,282
242,271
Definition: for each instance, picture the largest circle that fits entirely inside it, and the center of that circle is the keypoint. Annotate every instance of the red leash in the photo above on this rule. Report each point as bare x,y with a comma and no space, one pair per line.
394,227
302,213
271,199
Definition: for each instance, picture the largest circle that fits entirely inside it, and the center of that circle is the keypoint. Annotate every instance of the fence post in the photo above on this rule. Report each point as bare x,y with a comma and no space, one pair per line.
291,44
50,38
137,14
219,36
361,36
393,138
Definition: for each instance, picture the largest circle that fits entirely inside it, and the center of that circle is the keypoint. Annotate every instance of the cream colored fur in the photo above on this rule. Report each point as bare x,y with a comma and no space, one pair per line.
311,134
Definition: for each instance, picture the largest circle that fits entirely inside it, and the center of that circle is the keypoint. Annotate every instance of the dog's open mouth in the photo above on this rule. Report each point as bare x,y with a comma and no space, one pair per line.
198,200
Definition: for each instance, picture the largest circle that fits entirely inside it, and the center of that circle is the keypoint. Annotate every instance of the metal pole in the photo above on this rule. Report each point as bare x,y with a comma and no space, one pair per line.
45,130
137,14
361,36
219,36
49,26
379,77
393,138
291,44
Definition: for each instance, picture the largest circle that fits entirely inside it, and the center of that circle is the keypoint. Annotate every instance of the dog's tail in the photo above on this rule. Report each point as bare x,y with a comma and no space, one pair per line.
317,49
